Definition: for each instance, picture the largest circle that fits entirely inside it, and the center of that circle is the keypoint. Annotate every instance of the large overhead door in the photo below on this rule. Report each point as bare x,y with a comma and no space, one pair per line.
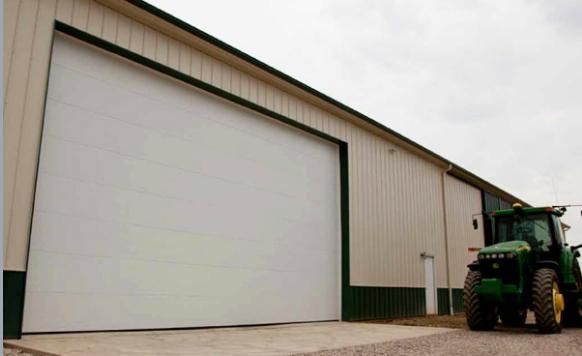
158,206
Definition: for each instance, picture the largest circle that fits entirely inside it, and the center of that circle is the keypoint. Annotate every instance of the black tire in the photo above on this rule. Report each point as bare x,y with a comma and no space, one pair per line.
478,315
513,318
548,318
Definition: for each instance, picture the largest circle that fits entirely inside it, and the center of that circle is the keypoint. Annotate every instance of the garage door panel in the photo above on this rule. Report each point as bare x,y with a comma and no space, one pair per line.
155,311
131,276
73,125
160,206
108,168
241,142
236,142
73,198
112,284
81,237
138,176
126,76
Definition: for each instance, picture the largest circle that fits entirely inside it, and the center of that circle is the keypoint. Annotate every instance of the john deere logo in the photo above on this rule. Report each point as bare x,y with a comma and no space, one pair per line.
495,265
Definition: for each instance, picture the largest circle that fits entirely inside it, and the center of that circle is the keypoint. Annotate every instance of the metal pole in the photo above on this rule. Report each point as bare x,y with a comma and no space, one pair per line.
448,267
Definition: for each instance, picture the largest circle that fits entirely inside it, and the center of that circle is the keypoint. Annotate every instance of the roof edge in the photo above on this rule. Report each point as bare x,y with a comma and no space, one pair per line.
457,170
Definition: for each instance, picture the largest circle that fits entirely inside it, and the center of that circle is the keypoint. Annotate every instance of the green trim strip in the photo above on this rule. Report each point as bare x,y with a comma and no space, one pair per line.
13,293
134,57
250,59
368,303
346,296
443,300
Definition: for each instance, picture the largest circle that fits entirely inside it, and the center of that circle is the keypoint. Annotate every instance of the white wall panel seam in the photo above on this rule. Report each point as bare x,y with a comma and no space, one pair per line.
21,125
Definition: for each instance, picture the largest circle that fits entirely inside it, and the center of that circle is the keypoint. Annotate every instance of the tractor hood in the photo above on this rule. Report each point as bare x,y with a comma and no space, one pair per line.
508,246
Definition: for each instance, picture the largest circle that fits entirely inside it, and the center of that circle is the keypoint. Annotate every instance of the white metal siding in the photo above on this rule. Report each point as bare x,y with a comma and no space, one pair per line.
161,206
463,200
395,195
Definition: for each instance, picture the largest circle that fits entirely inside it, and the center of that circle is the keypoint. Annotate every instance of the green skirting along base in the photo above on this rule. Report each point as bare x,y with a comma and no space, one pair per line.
443,300
13,293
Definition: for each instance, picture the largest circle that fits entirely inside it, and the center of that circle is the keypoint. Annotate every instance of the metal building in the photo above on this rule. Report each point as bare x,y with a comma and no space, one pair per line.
156,177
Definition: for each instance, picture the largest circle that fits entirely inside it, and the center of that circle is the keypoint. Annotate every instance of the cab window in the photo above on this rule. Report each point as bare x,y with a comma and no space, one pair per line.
534,229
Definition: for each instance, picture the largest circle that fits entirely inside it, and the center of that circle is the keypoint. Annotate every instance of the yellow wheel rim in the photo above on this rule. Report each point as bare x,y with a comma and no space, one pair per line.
558,300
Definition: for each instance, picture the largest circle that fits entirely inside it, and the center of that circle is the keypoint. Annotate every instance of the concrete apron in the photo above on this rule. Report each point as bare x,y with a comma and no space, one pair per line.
263,340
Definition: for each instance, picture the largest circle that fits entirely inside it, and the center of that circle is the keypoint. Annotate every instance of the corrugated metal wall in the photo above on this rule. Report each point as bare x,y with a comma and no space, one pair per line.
27,40
395,196
463,202
443,300
491,202
396,210
379,303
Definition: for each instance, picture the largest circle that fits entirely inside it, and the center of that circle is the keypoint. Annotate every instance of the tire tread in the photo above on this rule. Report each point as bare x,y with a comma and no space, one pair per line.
479,317
542,304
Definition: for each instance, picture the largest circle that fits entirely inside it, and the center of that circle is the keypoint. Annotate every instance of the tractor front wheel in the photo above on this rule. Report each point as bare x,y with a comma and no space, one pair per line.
479,316
547,301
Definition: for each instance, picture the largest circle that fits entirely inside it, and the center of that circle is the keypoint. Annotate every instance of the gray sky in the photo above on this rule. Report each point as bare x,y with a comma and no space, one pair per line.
495,86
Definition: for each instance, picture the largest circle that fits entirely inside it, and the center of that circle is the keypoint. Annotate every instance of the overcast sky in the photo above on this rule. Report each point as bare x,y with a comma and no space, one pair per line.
494,86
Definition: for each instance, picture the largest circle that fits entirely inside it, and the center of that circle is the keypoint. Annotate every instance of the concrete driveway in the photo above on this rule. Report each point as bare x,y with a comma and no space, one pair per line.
265,340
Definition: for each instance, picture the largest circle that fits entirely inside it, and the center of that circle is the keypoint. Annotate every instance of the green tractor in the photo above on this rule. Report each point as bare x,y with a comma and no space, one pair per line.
528,266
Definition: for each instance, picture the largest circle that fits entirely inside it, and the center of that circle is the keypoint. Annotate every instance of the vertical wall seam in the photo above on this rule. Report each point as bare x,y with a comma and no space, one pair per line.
103,22
11,56
10,225
9,75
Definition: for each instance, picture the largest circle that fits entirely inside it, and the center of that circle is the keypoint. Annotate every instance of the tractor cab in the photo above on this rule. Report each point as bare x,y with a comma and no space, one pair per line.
539,227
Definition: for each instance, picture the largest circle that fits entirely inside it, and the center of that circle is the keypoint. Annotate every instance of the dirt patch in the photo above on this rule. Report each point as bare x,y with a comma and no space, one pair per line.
15,352
456,321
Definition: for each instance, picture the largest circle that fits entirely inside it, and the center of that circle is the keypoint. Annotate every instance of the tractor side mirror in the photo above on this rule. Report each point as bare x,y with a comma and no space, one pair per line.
475,224
574,248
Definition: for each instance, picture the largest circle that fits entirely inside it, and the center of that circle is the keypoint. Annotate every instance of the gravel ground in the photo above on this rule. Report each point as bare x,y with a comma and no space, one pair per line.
464,342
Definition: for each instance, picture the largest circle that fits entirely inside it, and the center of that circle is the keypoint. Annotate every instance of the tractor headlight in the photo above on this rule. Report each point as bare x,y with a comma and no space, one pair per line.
510,255
481,257
494,255
501,256
487,256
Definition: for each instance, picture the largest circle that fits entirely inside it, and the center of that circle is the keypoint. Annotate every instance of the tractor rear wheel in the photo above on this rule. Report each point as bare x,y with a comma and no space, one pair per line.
547,301
513,318
479,316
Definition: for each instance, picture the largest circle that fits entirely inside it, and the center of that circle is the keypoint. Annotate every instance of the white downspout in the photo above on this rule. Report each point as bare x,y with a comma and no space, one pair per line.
447,264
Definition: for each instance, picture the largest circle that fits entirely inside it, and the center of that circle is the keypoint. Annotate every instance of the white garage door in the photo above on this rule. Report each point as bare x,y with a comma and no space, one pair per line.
159,205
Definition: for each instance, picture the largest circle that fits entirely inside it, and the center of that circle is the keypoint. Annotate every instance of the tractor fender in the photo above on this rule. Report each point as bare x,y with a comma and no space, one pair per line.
548,264
474,266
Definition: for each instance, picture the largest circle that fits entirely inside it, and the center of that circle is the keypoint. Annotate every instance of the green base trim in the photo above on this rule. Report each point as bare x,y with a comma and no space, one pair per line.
368,303
13,303
443,300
